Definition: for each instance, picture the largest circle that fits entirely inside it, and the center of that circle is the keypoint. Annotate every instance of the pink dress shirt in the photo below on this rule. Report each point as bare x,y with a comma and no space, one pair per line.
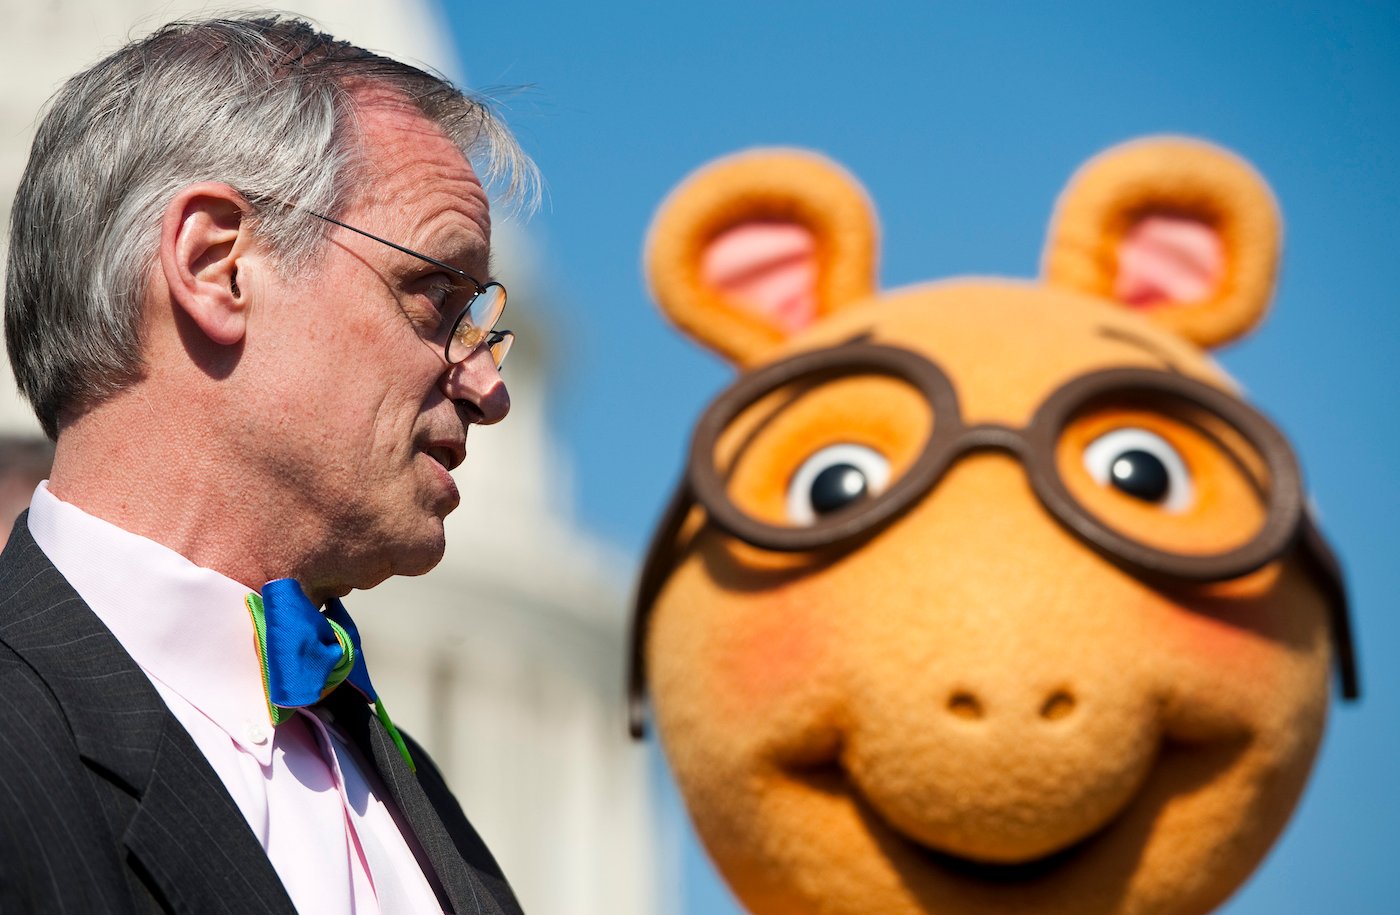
301,787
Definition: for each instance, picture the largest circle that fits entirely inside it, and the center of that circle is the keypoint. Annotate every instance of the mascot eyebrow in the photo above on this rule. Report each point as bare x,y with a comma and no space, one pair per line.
1132,339
802,389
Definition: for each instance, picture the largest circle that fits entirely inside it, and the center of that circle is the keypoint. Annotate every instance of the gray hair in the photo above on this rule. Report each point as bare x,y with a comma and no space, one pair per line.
263,104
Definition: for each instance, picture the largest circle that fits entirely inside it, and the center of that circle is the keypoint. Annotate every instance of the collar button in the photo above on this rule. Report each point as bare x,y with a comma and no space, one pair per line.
256,733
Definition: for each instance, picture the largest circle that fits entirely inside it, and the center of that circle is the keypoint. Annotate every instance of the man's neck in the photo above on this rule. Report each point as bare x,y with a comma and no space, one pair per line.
171,479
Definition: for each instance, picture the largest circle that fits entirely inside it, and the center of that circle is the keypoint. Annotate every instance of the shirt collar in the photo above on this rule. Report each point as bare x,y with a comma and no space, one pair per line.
185,626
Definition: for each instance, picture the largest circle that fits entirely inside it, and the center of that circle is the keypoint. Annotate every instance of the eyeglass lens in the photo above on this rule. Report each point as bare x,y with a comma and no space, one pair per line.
476,322
1165,473
500,343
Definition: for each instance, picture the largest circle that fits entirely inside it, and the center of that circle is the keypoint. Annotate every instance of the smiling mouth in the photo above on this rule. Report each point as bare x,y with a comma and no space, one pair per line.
984,871
1182,767
830,778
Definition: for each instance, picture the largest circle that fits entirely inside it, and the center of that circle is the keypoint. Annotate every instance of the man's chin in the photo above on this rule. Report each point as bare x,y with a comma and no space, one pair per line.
423,555
408,556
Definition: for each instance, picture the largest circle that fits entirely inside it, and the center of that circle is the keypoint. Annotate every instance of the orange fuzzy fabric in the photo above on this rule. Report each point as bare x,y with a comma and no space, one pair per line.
973,712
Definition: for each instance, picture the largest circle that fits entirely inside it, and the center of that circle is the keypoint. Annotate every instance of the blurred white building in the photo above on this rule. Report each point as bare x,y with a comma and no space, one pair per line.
506,661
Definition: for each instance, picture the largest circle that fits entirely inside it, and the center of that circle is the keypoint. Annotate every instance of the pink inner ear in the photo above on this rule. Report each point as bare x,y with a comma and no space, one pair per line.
1169,260
768,268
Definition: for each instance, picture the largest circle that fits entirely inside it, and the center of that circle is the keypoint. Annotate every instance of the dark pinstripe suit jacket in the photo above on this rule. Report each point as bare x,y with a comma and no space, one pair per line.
106,804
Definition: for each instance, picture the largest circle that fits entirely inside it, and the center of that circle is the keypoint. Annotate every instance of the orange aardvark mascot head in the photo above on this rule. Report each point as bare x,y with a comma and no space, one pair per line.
984,595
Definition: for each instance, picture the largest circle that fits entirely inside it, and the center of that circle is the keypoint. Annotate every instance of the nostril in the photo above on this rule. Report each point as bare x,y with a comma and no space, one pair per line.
1059,705
965,705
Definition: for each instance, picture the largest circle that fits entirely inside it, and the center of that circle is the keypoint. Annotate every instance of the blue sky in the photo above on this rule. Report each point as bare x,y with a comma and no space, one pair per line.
964,121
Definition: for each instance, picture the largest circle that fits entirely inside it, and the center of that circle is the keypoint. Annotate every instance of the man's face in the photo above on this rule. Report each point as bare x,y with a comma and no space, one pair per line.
361,418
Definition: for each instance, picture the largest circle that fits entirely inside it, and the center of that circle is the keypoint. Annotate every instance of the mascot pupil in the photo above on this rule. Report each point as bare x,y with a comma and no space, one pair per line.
982,595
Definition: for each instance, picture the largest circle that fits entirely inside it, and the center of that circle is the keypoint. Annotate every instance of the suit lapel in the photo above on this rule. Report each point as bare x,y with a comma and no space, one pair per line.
187,833
472,888
192,839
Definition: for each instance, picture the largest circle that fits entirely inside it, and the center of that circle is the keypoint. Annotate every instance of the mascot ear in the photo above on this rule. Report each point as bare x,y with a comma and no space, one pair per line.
1180,230
757,247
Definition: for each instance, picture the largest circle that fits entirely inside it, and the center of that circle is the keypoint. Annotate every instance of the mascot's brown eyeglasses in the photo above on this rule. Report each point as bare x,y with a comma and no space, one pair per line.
1287,524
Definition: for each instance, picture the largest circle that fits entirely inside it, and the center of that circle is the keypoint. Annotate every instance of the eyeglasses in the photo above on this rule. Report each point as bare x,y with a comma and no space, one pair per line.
474,325
1249,451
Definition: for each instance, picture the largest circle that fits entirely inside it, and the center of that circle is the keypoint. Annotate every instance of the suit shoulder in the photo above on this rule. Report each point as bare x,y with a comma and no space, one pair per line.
54,853
43,778
36,743
28,697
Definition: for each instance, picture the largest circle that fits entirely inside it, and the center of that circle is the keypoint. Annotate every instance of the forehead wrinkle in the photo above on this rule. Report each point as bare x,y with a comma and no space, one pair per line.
404,153
439,211
451,227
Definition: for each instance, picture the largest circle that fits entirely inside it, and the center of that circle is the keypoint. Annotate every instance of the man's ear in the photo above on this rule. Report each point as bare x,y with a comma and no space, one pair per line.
1179,230
203,237
757,247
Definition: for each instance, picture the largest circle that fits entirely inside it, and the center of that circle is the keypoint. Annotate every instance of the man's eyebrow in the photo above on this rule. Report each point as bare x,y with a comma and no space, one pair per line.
1142,343
467,259
471,256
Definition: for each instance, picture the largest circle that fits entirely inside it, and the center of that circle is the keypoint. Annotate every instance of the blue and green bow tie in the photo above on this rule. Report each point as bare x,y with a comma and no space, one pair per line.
305,654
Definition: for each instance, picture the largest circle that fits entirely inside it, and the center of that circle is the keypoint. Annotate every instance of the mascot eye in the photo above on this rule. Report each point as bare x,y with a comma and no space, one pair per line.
832,479
1142,465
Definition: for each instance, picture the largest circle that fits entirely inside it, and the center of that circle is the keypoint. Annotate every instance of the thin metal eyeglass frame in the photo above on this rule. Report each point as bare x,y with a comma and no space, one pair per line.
489,335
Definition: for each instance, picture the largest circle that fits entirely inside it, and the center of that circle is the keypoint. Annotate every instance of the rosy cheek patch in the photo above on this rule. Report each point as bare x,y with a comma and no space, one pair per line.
1237,629
1166,260
776,654
767,268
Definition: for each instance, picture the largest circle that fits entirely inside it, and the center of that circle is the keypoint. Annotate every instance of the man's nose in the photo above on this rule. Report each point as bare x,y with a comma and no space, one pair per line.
476,386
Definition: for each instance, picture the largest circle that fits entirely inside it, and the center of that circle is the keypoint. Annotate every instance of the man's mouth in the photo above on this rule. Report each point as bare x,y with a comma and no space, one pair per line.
449,455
